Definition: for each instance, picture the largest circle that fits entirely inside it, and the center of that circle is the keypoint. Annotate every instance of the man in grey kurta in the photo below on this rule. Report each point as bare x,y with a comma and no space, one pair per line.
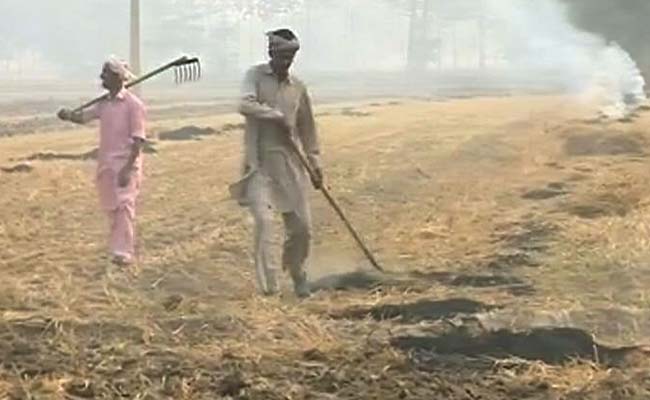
278,108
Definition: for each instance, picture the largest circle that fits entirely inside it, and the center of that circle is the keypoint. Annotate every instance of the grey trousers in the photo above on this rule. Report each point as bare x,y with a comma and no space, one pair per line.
296,247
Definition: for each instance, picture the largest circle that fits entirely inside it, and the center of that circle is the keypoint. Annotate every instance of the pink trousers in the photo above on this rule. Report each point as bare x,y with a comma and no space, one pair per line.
120,207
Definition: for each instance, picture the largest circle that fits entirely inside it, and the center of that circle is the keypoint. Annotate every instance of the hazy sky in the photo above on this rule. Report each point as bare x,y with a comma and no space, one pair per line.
70,38
73,36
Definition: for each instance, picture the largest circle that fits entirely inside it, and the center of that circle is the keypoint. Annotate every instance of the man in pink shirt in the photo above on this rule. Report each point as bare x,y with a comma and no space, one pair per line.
119,159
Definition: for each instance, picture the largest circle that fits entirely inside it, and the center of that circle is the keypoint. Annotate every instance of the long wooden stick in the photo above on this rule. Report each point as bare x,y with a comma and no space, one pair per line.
336,208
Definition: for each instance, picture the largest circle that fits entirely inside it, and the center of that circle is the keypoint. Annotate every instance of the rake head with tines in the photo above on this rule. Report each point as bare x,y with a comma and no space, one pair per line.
187,70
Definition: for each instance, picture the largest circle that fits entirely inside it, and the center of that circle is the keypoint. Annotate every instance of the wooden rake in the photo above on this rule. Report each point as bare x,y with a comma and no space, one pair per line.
186,69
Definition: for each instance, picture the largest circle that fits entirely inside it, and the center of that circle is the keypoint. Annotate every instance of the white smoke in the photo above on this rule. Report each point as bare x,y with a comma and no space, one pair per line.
541,37
620,83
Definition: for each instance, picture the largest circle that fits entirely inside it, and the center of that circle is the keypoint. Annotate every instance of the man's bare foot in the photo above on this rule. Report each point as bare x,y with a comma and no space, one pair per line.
122,260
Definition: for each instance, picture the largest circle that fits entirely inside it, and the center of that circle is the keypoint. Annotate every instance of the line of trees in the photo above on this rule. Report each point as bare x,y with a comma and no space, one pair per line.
70,36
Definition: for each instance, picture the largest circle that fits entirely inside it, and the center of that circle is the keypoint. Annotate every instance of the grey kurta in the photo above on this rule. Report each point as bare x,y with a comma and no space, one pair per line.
273,177
266,143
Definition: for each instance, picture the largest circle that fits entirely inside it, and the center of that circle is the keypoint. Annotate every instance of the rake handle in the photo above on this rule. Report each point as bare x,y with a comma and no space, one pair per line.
336,207
144,77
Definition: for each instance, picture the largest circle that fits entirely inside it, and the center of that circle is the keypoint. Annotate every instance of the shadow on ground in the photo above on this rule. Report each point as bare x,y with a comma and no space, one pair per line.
192,132
422,310
362,280
552,190
420,281
551,345
18,168
187,133
521,244
604,205
601,144
149,148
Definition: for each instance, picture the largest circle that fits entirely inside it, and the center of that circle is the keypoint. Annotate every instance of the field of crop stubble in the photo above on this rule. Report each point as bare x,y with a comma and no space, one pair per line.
515,230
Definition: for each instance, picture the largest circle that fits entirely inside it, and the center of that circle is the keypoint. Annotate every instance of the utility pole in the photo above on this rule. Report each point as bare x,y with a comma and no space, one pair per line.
349,35
412,44
134,62
454,43
481,36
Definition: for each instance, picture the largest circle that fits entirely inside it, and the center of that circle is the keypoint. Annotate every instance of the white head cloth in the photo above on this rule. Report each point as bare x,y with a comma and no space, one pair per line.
120,67
279,43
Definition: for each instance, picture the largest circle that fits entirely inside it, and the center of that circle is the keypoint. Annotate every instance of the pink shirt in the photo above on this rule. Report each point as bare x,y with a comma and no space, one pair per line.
121,119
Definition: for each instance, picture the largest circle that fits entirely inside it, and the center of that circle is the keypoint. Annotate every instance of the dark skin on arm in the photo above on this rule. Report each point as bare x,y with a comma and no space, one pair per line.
124,176
67,115
114,84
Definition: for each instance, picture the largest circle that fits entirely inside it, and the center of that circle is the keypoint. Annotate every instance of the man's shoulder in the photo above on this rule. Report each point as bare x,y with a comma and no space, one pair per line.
258,68
298,82
133,99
